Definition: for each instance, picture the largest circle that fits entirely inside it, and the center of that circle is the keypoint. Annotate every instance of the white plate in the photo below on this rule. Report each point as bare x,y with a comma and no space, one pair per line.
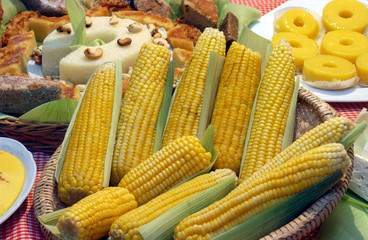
264,28
17,149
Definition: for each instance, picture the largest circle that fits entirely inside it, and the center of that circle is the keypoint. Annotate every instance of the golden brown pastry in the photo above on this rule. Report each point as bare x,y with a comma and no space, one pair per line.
145,18
183,36
14,57
17,25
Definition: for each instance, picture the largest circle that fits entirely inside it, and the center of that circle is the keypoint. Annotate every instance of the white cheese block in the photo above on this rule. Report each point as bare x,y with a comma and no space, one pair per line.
74,66
359,180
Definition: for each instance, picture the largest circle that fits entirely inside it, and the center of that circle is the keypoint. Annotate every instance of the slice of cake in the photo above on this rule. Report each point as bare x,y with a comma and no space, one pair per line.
183,36
180,56
43,26
17,25
77,66
145,18
14,57
20,93
200,13
155,7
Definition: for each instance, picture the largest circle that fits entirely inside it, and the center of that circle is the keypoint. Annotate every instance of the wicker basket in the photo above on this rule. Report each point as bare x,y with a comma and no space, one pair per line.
311,111
36,136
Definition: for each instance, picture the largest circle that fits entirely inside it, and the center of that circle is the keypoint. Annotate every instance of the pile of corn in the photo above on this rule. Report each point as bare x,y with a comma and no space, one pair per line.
149,184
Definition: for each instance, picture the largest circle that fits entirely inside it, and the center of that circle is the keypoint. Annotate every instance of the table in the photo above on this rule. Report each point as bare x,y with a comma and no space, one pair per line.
23,225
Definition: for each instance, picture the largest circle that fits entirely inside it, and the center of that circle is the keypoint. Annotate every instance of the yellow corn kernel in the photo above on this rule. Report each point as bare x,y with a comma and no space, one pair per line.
272,110
331,131
248,200
177,161
126,226
91,217
140,109
233,105
186,109
83,168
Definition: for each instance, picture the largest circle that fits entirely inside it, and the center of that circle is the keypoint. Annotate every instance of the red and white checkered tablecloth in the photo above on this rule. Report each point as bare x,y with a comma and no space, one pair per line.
23,225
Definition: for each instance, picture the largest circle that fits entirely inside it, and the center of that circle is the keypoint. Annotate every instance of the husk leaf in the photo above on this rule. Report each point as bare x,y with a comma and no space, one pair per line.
164,110
113,128
55,111
363,138
245,14
163,227
281,214
290,124
49,221
77,17
215,65
347,221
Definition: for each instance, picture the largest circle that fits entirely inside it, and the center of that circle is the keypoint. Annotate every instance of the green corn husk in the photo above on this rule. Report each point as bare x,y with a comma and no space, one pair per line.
55,111
114,123
347,221
164,110
281,214
290,125
77,17
215,65
10,8
163,227
50,220
361,141
245,14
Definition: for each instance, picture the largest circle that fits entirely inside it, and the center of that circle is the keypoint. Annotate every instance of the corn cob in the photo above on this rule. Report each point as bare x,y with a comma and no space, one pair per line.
91,217
126,226
272,110
248,200
83,169
233,105
177,161
331,131
140,109
185,112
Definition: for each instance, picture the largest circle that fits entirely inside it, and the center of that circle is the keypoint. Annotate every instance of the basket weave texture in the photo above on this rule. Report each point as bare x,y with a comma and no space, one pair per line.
311,111
36,136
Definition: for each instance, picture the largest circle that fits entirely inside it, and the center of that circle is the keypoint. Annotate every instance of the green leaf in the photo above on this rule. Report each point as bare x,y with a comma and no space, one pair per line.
215,65
175,5
281,214
163,227
55,111
245,14
10,8
50,220
347,221
290,124
349,139
77,17
164,110
363,138
4,115
221,6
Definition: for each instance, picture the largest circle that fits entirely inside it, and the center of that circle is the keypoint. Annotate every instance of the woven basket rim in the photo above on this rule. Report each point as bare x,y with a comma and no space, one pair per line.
299,228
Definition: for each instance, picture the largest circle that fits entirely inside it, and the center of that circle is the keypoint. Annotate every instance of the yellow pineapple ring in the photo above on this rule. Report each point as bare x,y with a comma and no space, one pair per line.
301,45
329,72
345,14
347,44
298,21
362,68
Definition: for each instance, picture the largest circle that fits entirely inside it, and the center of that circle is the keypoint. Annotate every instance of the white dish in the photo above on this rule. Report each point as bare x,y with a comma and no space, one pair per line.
264,28
19,150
